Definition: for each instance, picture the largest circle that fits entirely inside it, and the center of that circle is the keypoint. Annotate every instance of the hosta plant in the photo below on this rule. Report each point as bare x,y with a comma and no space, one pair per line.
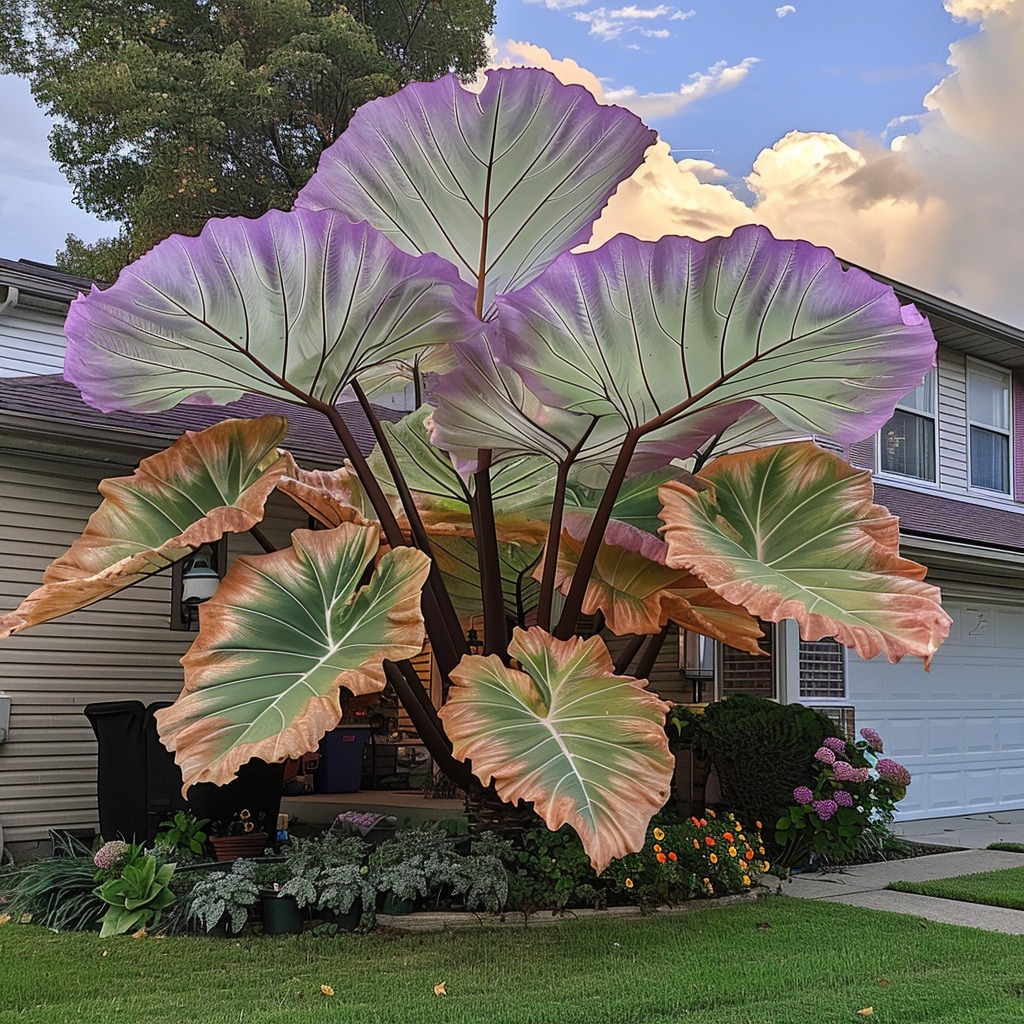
592,438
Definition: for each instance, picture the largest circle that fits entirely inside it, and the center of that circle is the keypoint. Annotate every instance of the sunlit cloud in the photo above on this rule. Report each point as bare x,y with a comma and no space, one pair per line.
781,12
718,78
976,10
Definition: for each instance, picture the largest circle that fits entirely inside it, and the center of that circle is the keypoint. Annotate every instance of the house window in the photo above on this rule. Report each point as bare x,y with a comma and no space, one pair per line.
988,418
822,670
745,673
907,442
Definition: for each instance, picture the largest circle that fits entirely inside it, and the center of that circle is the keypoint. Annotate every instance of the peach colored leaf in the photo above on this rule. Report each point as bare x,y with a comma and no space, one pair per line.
586,746
206,484
638,593
792,532
332,497
281,636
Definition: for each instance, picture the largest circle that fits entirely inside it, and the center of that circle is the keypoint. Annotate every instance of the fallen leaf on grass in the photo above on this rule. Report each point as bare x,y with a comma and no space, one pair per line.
764,925
439,989
327,990
4,918
25,919
882,981
105,952
867,1011
140,934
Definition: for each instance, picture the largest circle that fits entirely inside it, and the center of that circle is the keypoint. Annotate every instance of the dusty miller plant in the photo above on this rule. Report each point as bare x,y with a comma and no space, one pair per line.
598,434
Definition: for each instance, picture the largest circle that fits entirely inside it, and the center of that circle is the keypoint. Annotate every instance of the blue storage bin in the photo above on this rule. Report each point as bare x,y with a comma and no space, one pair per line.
341,760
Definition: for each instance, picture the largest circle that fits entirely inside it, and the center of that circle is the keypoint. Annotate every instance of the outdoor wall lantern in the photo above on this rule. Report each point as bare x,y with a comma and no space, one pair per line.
697,656
194,580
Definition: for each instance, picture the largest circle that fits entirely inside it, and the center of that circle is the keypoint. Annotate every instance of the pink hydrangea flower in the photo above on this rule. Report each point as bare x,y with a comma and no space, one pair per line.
874,741
111,855
825,755
802,795
893,771
842,798
835,744
844,771
824,809
860,775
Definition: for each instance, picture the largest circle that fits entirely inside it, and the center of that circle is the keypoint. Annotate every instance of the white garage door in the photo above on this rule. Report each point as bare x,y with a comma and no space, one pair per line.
959,728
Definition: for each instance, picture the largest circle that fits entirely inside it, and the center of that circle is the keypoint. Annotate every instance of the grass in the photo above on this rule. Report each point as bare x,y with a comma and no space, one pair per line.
993,888
1009,847
776,961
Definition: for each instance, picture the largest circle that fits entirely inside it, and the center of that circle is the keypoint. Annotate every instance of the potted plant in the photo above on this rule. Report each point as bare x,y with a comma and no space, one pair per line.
280,909
328,873
243,836
412,865
221,901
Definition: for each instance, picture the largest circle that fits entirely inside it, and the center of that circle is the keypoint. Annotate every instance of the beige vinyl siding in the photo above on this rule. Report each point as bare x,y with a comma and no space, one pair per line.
952,421
31,342
118,649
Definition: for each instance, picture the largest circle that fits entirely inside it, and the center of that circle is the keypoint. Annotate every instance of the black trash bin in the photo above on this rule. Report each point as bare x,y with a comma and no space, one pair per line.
256,789
163,776
121,782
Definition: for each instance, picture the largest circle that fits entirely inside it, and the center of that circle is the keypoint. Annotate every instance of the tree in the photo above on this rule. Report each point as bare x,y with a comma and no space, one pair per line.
565,388
180,111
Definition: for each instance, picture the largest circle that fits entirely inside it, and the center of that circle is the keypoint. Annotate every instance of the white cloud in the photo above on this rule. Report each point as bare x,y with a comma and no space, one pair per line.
976,10
612,24
559,5
941,210
781,12
717,78
633,12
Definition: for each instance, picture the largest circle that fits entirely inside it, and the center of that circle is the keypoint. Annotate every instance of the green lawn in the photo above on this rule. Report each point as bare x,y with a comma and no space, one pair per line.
777,961
994,888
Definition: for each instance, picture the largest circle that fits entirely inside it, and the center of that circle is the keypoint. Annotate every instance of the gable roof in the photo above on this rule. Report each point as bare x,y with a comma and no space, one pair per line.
48,407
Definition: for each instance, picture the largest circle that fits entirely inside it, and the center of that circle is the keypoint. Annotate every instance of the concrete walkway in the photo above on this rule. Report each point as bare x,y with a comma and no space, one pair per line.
864,885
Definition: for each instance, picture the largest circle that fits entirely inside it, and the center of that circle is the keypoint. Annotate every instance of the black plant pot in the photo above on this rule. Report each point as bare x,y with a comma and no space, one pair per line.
347,922
281,915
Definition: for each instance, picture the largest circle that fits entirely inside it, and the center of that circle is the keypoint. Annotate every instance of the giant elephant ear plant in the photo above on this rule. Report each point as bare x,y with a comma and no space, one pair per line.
575,400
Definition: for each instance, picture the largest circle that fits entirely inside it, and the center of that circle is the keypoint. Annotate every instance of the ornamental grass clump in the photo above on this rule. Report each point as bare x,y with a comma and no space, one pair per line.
850,808
711,855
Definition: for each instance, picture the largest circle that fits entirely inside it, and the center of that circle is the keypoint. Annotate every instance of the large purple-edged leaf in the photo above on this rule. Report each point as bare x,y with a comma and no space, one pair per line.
282,634
459,564
636,592
499,182
206,484
584,745
297,300
681,337
793,532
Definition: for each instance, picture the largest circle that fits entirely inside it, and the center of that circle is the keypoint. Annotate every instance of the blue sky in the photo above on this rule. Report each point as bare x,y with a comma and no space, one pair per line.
889,131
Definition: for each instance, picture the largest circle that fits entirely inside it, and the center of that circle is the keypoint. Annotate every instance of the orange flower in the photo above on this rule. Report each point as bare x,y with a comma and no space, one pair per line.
709,841
760,850
703,822
672,855
727,836
662,858
749,854
696,845
696,821
746,879
758,825
657,848
713,858
711,814
629,883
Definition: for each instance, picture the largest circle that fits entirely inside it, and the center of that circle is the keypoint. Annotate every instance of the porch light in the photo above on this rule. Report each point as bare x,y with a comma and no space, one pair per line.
199,582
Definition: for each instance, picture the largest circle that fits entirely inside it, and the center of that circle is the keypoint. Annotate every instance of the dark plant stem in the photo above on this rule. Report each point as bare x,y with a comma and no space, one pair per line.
419,533
547,579
588,556
485,532
262,539
629,652
650,655
408,687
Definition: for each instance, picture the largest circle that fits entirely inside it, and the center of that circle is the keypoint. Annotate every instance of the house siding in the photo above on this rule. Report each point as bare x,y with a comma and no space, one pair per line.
31,342
952,421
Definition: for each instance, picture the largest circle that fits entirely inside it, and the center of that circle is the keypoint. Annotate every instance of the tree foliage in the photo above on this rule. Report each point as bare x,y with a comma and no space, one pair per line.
175,112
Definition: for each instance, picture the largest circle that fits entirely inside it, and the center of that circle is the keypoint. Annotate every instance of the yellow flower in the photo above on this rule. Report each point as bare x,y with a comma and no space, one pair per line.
767,866
659,834
629,883
713,858
657,848
696,845
248,826
760,850
244,814
732,851
746,879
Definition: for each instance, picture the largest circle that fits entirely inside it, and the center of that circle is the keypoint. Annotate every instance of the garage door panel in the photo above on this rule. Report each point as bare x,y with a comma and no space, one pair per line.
980,735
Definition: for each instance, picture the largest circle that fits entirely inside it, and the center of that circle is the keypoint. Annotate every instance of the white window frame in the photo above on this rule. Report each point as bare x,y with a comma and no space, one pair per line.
1002,371
889,474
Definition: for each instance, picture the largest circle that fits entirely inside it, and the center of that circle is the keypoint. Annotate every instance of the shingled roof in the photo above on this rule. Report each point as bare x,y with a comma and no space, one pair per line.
50,405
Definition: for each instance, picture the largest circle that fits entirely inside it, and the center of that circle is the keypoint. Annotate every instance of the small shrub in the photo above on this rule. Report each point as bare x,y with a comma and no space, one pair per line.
137,894
183,838
549,871
224,897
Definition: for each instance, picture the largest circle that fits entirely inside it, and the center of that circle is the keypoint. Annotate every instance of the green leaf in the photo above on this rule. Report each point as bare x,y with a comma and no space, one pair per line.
586,746
281,636
206,484
792,532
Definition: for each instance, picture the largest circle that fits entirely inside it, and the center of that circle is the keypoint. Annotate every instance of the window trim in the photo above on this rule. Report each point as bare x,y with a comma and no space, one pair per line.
888,474
1007,433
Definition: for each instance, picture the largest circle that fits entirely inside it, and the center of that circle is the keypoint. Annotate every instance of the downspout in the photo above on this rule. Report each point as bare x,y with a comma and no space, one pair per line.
10,300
